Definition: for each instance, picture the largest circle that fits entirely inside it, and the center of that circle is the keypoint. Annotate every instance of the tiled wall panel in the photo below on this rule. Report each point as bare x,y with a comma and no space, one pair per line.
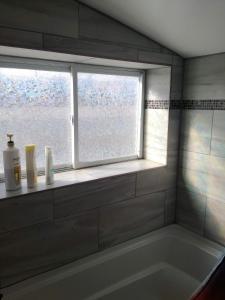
44,230
196,130
170,206
20,38
37,234
202,150
72,200
131,218
215,220
26,210
41,16
45,246
94,25
89,48
191,210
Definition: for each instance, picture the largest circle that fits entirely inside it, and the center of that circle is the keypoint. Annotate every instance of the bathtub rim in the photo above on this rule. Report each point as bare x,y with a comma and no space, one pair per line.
69,269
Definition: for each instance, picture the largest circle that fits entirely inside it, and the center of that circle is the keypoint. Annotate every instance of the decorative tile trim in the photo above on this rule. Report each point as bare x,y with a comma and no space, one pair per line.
157,104
162,104
201,104
211,104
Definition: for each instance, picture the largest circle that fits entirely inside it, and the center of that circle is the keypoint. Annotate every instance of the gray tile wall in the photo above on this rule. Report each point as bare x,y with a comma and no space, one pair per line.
41,231
201,195
157,87
80,30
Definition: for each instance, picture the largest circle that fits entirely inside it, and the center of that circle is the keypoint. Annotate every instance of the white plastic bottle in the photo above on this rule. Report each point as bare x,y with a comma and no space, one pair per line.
12,167
31,167
49,175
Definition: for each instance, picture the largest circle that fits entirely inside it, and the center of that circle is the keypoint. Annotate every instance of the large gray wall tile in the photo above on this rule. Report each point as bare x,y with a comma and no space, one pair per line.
154,180
176,81
203,183
190,211
193,181
155,58
196,130
202,164
26,252
209,164
195,161
56,17
170,206
173,129
20,38
157,85
80,197
156,120
149,181
218,133
125,220
156,129
204,77
95,25
89,48
215,220
25,210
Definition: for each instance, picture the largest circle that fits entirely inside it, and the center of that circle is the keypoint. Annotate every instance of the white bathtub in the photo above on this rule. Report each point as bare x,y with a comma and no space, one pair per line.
169,264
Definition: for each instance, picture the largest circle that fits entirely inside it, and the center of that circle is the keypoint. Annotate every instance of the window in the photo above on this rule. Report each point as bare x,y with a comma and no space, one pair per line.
108,115
37,102
35,106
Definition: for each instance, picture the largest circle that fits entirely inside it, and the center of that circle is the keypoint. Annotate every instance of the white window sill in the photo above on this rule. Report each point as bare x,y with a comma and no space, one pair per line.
83,175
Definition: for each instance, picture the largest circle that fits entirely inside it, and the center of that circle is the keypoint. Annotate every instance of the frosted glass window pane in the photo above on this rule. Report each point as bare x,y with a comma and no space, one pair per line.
108,108
35,106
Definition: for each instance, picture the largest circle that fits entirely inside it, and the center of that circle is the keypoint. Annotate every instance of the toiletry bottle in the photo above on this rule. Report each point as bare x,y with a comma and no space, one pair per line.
12,168
49,175
31,167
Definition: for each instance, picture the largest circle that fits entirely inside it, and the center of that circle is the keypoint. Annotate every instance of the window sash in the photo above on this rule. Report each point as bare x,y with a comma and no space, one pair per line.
76,68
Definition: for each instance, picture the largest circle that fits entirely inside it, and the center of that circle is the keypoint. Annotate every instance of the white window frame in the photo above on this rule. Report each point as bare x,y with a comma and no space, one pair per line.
76,68
73,69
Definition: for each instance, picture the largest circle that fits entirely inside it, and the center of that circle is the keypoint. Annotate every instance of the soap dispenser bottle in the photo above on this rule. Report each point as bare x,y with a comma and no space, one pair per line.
12,167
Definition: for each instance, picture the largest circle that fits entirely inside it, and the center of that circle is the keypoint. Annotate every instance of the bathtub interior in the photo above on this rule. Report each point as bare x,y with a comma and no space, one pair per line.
167,264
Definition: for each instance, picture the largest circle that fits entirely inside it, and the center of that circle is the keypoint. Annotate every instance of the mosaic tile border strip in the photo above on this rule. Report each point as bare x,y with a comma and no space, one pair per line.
163,104
212,104
201,104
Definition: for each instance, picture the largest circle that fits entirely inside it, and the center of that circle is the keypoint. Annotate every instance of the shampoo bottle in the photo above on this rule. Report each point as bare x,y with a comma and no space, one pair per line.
49,175
31,167
12,167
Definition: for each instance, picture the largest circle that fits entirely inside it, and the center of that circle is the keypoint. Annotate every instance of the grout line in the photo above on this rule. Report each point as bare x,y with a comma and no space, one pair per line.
135,187
98,228
204,221
210,146
53,206
165,207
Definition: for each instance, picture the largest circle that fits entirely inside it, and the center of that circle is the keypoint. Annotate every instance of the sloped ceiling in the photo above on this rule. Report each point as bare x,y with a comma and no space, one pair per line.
189,27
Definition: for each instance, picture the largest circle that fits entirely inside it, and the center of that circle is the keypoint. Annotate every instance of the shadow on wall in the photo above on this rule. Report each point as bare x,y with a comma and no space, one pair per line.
191,210
198,212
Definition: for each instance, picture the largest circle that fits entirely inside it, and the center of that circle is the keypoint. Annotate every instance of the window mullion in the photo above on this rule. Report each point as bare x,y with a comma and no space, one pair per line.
75,117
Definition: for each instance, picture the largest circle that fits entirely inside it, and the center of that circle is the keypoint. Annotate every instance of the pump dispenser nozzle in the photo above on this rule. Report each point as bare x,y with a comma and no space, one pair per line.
12,168
10,142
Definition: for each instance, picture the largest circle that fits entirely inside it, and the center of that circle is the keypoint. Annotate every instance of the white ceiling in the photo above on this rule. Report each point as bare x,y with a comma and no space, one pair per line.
189,27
